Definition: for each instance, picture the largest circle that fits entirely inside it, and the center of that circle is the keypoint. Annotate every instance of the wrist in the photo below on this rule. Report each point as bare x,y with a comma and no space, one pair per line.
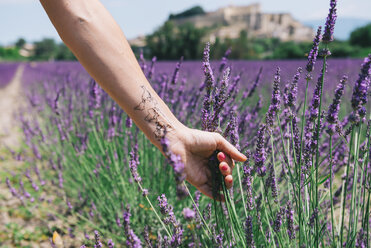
176,137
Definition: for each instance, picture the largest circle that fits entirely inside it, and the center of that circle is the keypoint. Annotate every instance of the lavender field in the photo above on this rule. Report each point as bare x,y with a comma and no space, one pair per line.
7,71
304,126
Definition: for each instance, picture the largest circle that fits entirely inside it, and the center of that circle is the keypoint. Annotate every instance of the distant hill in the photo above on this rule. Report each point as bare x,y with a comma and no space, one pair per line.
229,21
344,26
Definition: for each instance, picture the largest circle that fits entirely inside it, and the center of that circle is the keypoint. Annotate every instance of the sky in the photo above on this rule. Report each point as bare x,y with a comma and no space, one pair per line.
27,19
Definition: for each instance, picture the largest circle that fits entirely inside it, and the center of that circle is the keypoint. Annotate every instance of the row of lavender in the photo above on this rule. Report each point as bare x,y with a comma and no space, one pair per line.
7,72
306,182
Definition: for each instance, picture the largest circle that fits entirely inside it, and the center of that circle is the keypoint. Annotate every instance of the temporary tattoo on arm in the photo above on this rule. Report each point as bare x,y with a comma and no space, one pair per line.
153,113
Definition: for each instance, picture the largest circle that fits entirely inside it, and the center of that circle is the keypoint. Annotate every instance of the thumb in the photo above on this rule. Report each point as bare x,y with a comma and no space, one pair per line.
223,145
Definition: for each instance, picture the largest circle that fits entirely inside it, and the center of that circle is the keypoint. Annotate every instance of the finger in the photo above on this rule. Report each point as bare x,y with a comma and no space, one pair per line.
225,169
223,145
221,156
230,162
207,190
228,181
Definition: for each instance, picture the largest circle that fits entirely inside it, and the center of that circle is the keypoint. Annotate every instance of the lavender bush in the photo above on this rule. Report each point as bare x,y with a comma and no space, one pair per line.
306,182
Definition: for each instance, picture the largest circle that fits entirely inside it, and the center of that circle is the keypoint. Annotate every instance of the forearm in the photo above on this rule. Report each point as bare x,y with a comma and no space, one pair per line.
97,41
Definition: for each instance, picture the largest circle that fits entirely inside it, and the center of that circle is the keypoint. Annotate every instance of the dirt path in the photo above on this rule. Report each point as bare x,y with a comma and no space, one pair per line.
10,101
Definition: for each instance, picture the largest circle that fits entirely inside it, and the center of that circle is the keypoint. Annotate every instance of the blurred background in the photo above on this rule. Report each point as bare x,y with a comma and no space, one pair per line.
168,29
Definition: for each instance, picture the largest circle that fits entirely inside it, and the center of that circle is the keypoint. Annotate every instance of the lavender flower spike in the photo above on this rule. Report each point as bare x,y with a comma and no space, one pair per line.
333,111
278,221
360,90
176,162
312,56
110,243
249,232
189,214
276,99
133,164
132,240
290,221
259,155
98,244
328,34
209,83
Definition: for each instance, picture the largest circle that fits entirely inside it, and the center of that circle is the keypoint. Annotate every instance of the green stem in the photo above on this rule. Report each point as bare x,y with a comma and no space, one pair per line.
317,146
198,210
299,162
345,191
154,210
331,199
242,194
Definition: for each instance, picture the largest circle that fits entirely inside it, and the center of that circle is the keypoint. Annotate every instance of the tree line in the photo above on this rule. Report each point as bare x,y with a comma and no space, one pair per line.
170,42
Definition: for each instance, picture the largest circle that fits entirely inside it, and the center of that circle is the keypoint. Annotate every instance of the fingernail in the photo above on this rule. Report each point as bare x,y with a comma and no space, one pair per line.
221,156
230,180
224,167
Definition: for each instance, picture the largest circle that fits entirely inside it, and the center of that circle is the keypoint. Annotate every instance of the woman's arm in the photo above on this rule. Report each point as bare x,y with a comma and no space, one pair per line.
97,41
94,37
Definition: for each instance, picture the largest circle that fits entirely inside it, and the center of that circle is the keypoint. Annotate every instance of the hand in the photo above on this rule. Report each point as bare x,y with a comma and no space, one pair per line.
195,148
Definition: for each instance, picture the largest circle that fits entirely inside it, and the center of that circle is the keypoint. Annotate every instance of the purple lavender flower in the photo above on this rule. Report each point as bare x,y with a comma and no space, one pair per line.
86,236
133,165
146,237
224,59
276,100
312,56
129,122
206,213
271,182
176,239
174,79
232,130
118,221
178,166
292,93
162,203
219,239
361,239
132,240
95,94
290,221
359,98
110,244
249,232
98,244
167,210
220,99
188,214
151,71
278,221
313,217
60,179
209,83
328,34
333,111
12,190
142,63
314,108
259,156
247,182
256,82
145,192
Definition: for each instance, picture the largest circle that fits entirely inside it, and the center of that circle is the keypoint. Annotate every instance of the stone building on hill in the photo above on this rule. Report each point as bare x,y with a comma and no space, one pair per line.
229,21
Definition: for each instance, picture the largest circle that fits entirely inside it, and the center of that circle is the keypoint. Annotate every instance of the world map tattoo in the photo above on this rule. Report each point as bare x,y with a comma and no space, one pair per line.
154,115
